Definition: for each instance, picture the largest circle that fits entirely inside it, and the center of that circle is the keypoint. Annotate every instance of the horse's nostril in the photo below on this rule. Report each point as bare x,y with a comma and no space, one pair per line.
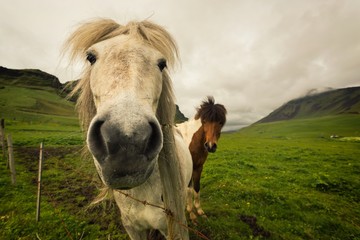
95,139
210,147
214,147
107,139
154,141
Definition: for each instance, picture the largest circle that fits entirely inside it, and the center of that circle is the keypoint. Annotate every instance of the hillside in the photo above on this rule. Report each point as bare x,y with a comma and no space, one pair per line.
30,78
31,95
329,103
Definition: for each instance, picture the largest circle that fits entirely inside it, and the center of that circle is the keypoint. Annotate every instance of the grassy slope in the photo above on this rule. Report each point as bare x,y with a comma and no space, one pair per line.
27,105
33,115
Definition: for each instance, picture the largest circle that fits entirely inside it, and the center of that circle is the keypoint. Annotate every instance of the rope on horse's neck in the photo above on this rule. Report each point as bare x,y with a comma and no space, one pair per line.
168,125
167,211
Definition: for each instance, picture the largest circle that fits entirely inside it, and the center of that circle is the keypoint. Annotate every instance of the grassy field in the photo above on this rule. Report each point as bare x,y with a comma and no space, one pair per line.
282,180
70,183
285,180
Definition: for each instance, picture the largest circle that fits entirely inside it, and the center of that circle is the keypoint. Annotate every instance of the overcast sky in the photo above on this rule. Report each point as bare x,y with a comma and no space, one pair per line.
252,56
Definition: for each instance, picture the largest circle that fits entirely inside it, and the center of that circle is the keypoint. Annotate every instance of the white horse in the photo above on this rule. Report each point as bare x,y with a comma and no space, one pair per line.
126,105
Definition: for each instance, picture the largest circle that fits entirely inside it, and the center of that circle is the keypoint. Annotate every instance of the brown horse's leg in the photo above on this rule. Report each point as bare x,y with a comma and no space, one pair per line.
196,180
189,204
200,211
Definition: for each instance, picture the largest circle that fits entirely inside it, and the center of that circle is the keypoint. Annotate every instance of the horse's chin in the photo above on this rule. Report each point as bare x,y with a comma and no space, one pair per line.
127,182
124,174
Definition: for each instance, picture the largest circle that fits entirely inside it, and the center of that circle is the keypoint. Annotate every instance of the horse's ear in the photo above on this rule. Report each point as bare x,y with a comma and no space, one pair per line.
197,116
222,107
198,113
210,100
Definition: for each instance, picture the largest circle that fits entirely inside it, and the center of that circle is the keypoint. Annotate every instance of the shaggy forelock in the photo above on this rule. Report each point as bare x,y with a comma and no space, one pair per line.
99,30
211,112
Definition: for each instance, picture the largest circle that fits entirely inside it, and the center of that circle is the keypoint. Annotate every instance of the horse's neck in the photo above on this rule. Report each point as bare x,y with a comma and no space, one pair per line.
188,129
197,144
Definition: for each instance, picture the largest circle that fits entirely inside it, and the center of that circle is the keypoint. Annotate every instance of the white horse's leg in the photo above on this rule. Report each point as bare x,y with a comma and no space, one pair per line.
136,235
199,210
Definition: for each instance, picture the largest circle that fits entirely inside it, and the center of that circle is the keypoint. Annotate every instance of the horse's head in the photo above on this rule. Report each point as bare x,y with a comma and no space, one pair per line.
213,118
120,93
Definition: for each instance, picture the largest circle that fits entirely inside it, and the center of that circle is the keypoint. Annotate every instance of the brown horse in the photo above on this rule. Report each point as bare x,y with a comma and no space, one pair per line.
201,135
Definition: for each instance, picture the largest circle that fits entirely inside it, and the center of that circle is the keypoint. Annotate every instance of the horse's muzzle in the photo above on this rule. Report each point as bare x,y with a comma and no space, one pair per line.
210,147
125,152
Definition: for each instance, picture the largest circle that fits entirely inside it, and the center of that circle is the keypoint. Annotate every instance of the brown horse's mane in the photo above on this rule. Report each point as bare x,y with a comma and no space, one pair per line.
211,112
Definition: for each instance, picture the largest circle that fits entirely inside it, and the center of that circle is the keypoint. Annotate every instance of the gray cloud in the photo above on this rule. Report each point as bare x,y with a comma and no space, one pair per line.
252,56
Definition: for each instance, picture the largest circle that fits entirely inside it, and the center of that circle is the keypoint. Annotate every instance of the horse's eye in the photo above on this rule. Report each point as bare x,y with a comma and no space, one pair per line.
91,58
162,64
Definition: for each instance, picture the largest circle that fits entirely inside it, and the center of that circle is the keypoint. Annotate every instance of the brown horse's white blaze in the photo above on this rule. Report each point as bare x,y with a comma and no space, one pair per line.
125,101
212,134
201,135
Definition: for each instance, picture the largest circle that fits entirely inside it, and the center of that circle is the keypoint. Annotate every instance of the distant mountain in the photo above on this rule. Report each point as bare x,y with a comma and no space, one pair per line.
30,78
180,117
332,102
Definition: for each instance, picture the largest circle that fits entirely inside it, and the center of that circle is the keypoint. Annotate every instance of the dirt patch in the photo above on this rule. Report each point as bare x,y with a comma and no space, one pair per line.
257,230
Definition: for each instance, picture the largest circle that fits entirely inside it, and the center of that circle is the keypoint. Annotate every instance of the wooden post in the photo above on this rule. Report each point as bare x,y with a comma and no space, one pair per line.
2,138
39,183
11,159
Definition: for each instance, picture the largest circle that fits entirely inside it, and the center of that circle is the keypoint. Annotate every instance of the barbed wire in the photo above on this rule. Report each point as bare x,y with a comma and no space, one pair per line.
168,212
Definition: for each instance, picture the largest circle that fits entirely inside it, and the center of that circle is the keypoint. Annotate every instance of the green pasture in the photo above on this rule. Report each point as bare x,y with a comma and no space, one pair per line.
281,180
296,181
34,105
38,115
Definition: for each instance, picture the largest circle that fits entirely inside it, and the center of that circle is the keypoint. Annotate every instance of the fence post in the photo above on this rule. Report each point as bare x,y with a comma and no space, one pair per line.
2,138
11,159
39,182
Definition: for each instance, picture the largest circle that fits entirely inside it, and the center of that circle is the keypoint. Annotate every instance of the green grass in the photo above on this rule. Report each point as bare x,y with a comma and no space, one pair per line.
289,176
68,186
297,181
34,105
69,183
38,115
51,133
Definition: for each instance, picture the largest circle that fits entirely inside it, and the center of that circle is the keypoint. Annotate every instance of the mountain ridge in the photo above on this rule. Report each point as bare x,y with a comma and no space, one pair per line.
331,102
31,78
